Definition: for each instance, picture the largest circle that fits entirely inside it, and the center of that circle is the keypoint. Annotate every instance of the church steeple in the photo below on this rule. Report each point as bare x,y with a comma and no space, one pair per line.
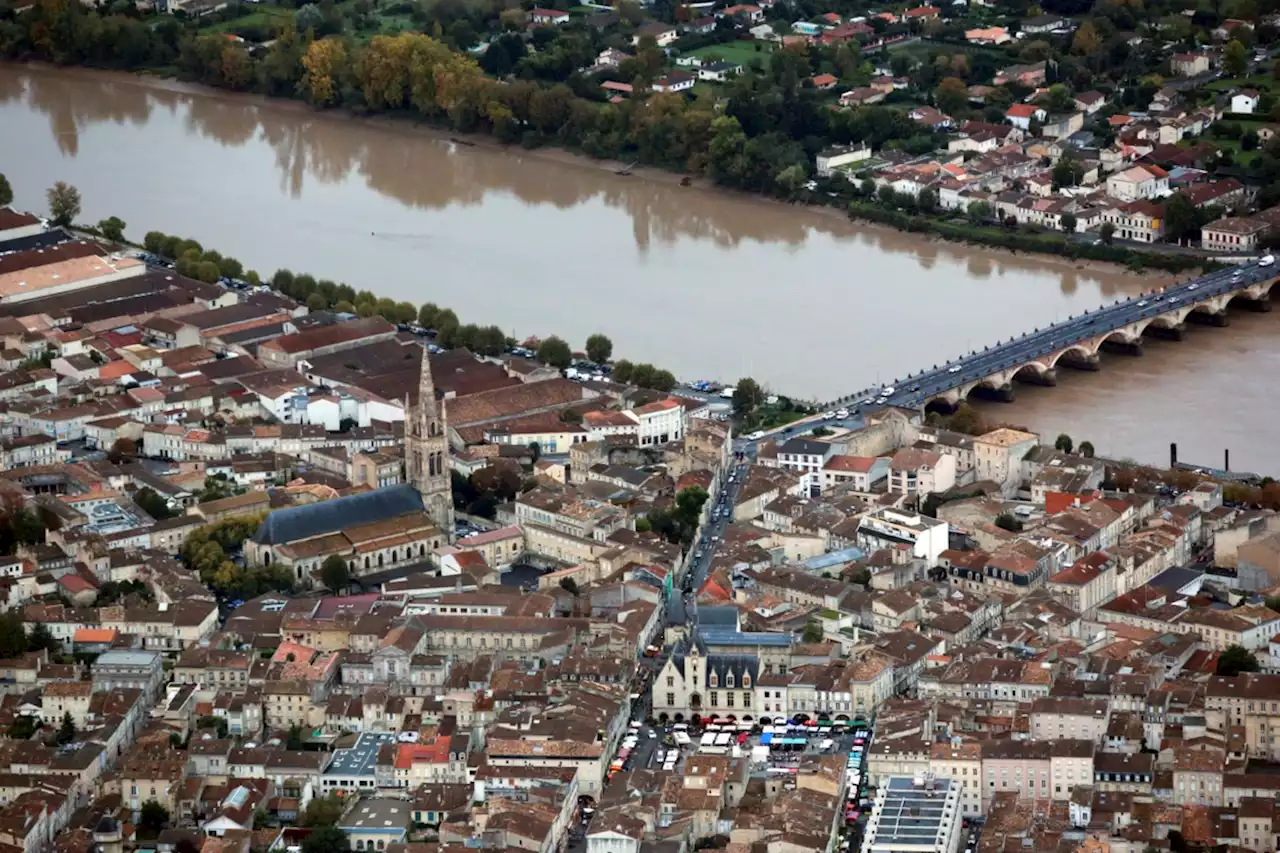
426,443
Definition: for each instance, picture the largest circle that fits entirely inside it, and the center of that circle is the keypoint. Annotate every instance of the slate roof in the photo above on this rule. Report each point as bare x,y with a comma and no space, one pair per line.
304,522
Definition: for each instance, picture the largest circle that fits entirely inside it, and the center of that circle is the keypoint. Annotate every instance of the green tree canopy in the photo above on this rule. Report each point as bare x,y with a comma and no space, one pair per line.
64,203
555,352
1063,443
599,348
6,192
112,228
747,397
1235,660
326,839
335,573
813,633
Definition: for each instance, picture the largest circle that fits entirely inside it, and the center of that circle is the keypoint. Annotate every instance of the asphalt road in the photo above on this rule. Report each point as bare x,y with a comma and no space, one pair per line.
914,390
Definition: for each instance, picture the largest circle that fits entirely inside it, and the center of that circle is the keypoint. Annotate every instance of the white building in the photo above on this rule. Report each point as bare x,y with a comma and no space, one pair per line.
1138,182
887,527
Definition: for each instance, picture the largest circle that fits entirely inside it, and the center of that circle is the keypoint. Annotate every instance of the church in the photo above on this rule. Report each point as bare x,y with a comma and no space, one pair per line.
379,530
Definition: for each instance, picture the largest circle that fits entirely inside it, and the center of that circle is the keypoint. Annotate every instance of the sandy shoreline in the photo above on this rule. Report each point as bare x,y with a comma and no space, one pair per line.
889,238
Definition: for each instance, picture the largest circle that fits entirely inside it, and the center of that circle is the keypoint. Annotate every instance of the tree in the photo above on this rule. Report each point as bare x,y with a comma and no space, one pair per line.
1063,443
335,573
1235,59
1086,41
622,371
112,228
1235,660
6,192
1086,449
42,638
555,352
813,633
1007,521
326,839
123,447
747,397
569,585
67,731
1107,232
153,817
599,348
64,203
152,504
323,62
1069,222
1067,172
323,811
951,95
1182,219
23,728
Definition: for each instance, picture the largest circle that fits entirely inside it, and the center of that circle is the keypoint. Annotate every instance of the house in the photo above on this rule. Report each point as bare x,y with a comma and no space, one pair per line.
922,13
1142,220
824,81
930,118
1090,102
1233,234
1139,182
1244,101
663,34
674,81
548,17
830,160
1062,126
719,71
989,35
1021,115
1046,24
750,14
1189,64
861,97
1026,75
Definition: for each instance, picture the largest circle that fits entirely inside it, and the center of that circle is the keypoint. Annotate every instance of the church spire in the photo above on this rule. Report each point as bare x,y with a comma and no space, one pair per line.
427,451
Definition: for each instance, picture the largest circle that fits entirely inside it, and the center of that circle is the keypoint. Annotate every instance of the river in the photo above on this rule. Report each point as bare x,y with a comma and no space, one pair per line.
705,283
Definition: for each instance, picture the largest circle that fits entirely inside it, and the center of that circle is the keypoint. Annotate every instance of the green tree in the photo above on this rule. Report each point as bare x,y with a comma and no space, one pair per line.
41,638
1235,59
1063,443
1182,219
1007,521
64,203
1107,232
316,302
1069,222
555,352
1067,172
326,839
335,573
535,450
153,817
1235,660
623,370
813,633
112,228
152,504
599,348
747,397
323,811
1086,449
427,315
154,242
22,728
67,731
569,585
6,192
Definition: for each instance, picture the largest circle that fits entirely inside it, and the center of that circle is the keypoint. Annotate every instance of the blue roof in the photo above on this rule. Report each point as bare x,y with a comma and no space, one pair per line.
835,558
716,616
728,637
304,522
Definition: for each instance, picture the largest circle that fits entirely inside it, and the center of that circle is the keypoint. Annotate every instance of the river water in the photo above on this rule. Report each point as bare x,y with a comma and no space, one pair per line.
704,283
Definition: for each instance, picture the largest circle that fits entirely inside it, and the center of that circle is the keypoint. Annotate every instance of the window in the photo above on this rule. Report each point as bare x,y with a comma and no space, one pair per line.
715,699
728,679
671,700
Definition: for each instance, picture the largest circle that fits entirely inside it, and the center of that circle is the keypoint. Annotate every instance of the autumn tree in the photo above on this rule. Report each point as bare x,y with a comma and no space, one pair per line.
951,95
1086,41
64,203
323,62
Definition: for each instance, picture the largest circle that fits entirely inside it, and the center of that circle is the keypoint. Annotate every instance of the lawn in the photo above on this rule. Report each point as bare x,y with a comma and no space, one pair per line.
1261,82
734,51
263,16
1242,158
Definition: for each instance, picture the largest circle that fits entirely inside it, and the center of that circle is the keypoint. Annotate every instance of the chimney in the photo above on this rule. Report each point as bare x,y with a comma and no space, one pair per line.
1226,459
1173,454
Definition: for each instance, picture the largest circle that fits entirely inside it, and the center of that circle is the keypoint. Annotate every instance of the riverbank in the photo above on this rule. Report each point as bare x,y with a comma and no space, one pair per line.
877,222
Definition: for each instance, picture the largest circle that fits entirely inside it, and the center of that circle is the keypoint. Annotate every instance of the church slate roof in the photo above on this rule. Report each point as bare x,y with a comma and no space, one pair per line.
317,519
